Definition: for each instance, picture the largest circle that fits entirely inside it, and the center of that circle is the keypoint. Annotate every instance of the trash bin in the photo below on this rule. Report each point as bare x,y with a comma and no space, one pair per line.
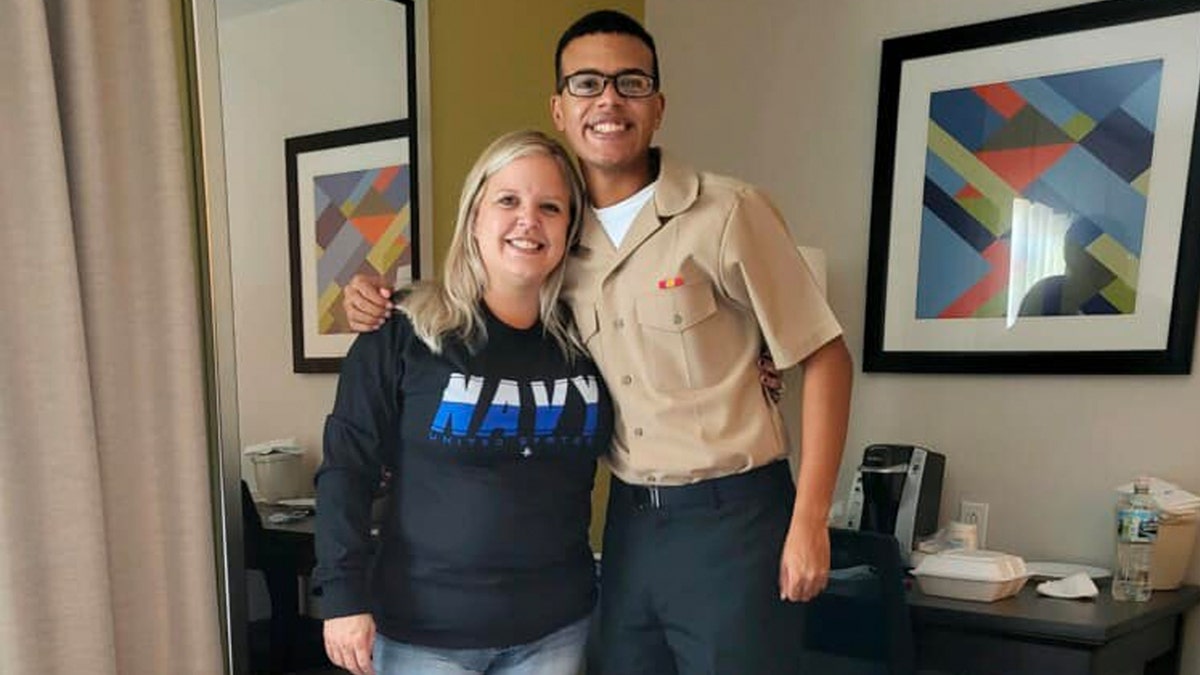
281,475
1172,551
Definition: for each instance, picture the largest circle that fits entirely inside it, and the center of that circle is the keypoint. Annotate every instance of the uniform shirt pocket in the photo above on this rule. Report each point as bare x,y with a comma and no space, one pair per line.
673,325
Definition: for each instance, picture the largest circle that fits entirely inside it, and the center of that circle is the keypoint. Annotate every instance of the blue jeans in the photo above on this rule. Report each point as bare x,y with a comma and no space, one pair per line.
559,653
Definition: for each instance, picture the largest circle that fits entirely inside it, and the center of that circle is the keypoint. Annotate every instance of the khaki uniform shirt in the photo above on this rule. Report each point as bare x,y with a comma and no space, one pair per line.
676,318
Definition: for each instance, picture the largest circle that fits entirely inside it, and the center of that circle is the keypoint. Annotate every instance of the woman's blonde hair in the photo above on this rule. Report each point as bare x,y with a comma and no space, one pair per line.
453,307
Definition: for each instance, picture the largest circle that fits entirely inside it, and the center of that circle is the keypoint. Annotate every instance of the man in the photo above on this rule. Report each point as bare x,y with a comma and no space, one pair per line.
679,281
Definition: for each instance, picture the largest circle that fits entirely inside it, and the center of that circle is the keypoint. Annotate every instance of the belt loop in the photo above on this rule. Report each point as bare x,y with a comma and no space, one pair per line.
655,499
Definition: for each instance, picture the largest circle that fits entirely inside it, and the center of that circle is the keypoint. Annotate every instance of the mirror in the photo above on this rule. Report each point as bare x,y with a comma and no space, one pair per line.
268,71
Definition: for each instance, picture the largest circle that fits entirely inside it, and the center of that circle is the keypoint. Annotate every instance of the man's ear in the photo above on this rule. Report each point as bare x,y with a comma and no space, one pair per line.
556,112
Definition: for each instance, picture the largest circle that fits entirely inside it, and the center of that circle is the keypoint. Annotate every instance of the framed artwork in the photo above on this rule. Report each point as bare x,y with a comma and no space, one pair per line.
1037,195
352,208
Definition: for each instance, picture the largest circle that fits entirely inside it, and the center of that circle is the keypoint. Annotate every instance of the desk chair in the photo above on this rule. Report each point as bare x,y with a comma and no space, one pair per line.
860,624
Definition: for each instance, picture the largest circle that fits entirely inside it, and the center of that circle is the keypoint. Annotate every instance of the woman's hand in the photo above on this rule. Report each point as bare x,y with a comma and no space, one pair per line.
770,377
349,641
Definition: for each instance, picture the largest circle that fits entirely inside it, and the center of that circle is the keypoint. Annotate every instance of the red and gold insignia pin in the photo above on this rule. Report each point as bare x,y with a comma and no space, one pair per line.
670,283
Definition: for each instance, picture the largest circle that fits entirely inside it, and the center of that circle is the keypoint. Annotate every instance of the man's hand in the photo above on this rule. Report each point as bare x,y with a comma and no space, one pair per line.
804,564
367,301
349,641
824,414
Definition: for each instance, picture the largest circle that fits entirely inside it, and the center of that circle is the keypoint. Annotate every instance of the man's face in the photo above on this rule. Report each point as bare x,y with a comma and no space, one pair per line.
608,132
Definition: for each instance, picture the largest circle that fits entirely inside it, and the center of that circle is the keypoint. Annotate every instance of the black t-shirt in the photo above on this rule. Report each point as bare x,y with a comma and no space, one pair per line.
492,456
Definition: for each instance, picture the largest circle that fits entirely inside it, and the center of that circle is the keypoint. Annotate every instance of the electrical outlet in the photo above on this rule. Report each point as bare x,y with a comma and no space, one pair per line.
977,514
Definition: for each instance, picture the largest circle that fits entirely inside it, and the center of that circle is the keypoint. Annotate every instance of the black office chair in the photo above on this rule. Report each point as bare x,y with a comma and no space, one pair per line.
860,624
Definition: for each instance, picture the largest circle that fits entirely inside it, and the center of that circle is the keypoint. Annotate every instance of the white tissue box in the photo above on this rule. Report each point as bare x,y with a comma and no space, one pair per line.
982,576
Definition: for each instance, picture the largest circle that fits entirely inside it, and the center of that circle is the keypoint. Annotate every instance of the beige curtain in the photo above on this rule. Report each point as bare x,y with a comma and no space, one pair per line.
106,545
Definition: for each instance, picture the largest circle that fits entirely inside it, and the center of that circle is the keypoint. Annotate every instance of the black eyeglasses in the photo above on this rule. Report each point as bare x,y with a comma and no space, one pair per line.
591,83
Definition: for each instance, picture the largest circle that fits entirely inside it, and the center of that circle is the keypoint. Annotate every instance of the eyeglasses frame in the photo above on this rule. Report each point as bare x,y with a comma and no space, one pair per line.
609,79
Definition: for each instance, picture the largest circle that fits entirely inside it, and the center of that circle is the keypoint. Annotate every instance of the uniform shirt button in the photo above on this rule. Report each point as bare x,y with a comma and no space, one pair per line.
651,479
619,323
677,319
626,379
637,432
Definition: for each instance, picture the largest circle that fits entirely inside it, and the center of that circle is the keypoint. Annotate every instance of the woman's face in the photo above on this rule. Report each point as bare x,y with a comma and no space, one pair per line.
521,223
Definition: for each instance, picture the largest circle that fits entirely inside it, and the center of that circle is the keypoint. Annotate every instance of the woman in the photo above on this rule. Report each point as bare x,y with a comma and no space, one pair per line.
480,403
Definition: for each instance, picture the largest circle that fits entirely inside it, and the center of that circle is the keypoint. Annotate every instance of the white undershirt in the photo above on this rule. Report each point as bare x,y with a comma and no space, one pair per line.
617,218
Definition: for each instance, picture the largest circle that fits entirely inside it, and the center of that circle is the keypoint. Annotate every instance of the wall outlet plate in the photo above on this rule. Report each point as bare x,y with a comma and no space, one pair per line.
975,513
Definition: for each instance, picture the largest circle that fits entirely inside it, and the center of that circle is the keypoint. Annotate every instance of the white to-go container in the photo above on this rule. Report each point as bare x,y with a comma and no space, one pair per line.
983,576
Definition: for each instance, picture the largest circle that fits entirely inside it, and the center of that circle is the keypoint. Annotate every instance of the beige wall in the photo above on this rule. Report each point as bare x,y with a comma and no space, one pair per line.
783,93
273,54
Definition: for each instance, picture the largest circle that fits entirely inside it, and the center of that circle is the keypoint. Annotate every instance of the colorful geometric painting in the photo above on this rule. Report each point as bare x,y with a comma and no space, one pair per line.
363,225
1035,195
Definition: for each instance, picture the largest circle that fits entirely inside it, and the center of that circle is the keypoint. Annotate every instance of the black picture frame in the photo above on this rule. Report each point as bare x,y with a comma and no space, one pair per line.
897,337
377,242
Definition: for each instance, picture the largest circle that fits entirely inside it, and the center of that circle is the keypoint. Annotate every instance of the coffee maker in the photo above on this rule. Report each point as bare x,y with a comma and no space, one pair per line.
897,490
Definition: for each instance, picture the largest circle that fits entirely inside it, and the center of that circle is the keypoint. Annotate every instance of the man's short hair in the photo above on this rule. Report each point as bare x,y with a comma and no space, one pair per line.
603,21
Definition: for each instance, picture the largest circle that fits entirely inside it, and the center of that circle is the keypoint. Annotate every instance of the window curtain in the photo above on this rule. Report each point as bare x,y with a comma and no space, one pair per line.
106,536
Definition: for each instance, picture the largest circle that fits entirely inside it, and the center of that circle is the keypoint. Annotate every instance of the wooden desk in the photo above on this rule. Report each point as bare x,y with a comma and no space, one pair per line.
1033,634
290,640
303,531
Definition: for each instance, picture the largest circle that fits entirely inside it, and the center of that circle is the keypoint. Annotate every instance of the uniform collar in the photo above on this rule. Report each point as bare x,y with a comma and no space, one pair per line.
677,189
678,185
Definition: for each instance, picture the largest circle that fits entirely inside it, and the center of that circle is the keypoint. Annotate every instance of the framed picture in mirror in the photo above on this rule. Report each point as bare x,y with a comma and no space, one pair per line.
1036,204
352,209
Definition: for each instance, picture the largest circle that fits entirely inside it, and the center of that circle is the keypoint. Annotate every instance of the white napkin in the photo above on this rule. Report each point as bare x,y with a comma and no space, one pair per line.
1078,585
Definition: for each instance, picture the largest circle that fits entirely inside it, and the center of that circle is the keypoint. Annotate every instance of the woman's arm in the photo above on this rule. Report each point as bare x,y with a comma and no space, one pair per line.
359,435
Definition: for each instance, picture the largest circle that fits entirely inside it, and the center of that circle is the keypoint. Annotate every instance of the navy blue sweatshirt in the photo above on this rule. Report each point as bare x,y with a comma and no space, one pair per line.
492,456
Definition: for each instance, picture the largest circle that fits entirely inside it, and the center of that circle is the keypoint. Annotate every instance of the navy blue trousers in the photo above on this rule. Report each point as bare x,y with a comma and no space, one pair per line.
690,579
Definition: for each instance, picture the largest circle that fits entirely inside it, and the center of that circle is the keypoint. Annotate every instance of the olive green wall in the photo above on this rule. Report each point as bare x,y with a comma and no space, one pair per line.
492,71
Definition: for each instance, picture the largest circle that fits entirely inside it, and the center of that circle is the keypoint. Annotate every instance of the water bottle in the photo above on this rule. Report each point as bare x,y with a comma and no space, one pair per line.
1137,527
